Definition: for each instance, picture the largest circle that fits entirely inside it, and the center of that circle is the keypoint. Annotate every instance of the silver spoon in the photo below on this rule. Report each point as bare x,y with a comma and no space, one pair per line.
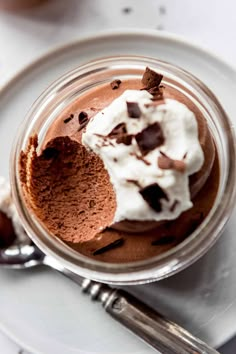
150,326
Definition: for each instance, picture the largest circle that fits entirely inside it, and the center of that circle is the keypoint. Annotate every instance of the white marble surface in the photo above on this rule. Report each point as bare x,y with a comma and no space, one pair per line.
25,36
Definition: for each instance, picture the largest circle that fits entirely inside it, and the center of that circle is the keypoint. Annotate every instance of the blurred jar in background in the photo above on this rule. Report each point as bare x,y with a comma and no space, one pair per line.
19,4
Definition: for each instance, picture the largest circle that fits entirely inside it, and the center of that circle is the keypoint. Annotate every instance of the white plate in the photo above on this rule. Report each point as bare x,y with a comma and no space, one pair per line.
45,312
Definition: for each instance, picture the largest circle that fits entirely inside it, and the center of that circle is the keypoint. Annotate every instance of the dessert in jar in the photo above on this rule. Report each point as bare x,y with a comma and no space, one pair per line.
124,170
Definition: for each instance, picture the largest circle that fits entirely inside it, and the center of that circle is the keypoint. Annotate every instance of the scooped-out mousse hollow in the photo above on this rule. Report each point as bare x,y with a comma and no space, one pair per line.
123,171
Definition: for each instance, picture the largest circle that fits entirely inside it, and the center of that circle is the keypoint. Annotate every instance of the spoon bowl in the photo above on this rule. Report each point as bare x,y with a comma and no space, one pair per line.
21,256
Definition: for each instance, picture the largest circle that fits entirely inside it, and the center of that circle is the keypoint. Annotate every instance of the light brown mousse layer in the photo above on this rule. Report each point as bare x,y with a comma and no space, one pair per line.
70,191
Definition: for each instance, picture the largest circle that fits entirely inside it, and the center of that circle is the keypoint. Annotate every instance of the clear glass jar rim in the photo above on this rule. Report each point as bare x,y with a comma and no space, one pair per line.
192,247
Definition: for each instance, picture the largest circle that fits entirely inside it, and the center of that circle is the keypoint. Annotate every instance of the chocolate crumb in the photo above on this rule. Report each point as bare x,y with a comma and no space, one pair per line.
117,243
115,159
153,194
83,117
174,205
133,110
67,120
151,78
115,84
165,240
150,138
185,155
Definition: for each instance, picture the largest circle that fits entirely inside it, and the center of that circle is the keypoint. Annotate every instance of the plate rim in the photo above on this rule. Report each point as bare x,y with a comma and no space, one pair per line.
58,49
90,37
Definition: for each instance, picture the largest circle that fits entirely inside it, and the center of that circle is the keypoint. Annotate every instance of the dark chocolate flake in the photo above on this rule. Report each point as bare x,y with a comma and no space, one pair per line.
133,110
141,158
153,194
120,134
82,126
174,205
68,119
83,117
134,182
124,139
151,78
150,138
115,84
117,243
119,129
165,240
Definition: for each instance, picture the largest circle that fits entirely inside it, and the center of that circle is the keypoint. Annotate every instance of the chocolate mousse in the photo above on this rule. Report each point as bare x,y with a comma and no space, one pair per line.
124,171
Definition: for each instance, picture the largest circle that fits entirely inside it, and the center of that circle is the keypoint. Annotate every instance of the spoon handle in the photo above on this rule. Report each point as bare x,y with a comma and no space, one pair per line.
147,324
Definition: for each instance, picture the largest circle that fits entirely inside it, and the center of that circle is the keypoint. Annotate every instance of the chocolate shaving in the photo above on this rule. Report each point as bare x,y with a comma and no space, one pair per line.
133,110
119,129
165,240
83,125
151,78
120,134
134,182
110,246
174,205
153,194
166,163
179,166
141,158
83,117
124,139
67,120
150,138
115,84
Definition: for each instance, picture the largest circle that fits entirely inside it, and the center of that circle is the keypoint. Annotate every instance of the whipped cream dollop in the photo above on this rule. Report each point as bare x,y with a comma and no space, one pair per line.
149,148
9,209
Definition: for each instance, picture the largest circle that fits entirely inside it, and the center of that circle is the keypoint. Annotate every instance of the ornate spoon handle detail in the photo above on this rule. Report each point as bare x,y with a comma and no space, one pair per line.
153,328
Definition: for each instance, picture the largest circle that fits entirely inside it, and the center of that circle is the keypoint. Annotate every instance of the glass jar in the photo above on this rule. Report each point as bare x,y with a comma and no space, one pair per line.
79,81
